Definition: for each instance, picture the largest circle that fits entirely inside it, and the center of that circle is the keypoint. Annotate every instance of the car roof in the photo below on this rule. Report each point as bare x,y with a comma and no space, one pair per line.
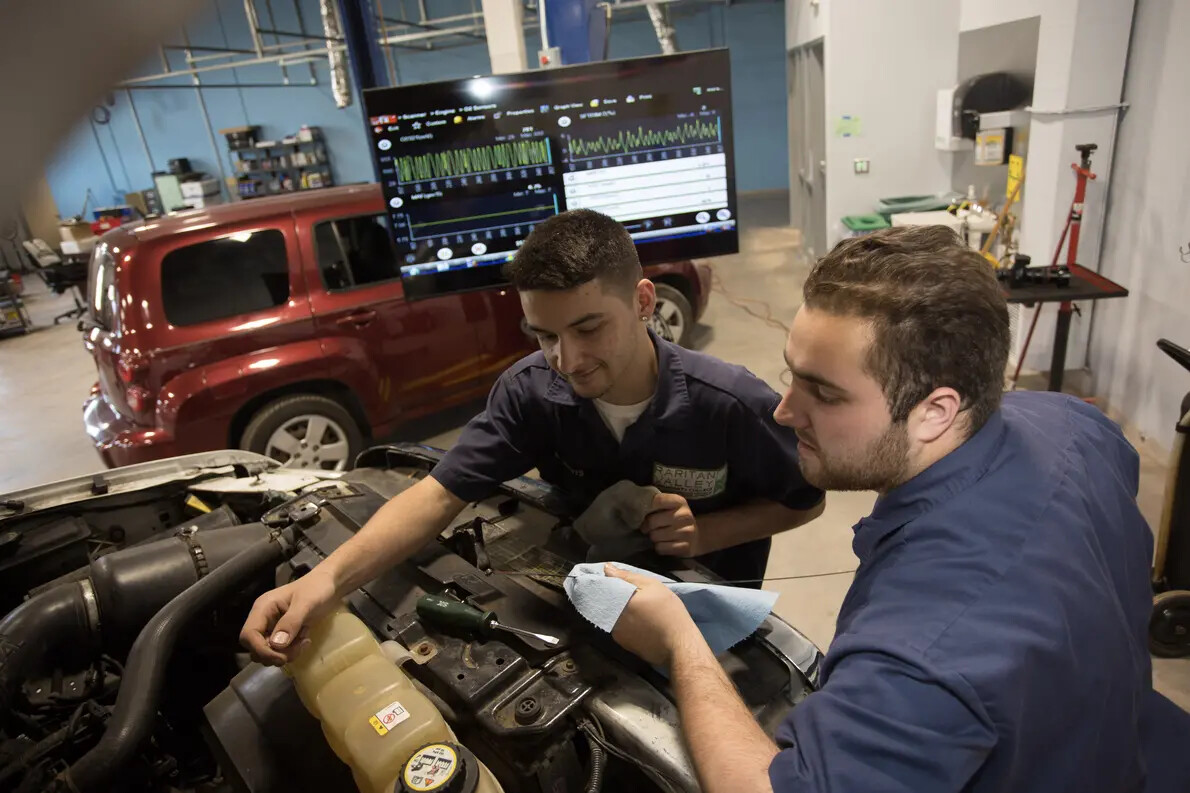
239,212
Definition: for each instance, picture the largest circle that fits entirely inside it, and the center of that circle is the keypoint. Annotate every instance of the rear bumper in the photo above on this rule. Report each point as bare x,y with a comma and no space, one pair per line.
705,276
121,442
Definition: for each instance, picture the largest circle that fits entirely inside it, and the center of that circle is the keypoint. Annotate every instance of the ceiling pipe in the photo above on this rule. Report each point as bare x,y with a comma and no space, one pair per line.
666,35
254,26
336,54
300,52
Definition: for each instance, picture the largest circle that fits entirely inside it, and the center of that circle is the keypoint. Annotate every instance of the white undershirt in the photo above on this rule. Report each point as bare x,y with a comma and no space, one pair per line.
619,418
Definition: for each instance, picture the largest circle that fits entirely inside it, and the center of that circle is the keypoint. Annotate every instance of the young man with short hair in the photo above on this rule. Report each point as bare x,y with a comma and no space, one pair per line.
604,401
994,637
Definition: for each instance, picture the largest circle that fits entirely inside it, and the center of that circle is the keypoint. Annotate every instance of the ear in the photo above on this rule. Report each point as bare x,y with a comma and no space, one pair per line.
934,415
645,298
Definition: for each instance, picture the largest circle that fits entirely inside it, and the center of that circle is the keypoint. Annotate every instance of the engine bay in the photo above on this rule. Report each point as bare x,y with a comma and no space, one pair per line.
123,672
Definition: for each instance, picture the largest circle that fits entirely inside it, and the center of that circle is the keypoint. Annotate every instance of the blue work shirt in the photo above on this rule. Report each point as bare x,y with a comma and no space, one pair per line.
994,638
708,435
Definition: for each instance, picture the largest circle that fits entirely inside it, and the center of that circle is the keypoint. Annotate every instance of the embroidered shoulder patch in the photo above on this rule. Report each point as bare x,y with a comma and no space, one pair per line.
690,483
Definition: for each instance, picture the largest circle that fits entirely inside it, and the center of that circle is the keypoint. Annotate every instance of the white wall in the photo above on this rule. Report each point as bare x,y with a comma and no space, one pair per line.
885,63
1081,52
805,21
1009,47
1149,222
982,14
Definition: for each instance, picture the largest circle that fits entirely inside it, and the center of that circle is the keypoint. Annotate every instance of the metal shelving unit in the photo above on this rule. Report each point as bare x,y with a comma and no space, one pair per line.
13,316
297,163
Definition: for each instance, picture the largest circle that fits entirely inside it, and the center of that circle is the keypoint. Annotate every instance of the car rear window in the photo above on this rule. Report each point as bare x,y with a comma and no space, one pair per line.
233,275
355,252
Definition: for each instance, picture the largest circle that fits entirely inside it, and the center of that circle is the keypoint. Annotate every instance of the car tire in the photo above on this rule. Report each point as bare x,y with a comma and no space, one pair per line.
1169,625
281,430
674,318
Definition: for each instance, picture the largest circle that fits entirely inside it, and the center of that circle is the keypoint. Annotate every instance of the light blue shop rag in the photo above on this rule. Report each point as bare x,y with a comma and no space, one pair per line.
725,614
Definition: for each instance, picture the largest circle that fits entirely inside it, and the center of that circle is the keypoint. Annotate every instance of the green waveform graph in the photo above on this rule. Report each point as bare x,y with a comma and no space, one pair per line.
642,138
478,159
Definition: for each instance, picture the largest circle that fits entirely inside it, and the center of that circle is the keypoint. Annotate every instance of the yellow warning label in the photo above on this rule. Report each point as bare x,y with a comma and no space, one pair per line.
377,726
1016,172
431,767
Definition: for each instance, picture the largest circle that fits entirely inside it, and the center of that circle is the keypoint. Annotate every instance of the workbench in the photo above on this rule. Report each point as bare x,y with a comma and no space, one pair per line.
1084,285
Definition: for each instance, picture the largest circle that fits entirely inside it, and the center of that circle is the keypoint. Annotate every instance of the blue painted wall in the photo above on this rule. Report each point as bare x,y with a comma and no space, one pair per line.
111,160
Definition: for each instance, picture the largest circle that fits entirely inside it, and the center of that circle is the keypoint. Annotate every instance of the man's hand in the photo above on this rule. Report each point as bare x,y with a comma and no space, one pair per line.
672,528
654,622
275,631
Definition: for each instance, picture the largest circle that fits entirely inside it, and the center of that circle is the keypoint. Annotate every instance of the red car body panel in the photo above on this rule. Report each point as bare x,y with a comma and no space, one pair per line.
387,359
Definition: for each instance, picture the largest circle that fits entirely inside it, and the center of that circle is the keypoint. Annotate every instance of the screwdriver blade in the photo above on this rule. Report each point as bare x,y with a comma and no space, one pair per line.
541,637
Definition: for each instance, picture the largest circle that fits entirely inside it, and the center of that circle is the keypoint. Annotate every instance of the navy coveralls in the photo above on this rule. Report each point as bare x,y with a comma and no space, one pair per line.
994,638
708,435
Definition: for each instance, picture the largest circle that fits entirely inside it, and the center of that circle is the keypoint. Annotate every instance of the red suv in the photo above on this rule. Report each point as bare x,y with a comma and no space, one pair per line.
279,325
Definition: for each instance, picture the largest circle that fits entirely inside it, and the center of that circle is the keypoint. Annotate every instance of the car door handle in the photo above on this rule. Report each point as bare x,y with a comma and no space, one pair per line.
357,318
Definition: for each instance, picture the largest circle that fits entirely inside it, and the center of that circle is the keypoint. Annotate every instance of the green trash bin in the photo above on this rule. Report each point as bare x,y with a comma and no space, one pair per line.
887,207
864,224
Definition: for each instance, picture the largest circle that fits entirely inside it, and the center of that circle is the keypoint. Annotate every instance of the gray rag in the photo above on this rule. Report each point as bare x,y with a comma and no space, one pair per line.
725,614
611,525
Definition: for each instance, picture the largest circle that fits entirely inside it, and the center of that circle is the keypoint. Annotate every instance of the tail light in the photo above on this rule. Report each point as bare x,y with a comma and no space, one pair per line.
131,368
129,364
139,399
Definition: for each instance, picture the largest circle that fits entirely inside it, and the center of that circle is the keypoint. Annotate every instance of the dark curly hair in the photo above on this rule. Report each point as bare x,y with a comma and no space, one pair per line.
573,248
938,315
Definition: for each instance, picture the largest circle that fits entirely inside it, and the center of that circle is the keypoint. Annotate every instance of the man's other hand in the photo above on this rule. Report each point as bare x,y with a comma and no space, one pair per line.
275,631
654,622
672,528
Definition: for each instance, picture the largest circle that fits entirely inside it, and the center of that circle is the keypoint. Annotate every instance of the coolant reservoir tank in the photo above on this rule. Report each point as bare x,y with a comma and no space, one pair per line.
375,720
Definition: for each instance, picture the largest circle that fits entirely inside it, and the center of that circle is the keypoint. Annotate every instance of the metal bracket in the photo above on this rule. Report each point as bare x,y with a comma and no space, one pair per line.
197,554
303,512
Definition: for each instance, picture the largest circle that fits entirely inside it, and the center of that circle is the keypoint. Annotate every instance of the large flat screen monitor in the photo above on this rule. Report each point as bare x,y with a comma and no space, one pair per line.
468,167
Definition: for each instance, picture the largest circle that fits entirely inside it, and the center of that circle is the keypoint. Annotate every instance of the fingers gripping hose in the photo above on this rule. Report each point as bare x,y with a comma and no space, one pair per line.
136,704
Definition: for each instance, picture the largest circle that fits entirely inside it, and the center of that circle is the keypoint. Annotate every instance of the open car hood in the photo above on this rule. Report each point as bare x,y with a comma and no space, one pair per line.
251,471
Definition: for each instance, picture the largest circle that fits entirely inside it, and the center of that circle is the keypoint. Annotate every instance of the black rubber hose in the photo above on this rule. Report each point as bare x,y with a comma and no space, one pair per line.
38,628
598,764
136,704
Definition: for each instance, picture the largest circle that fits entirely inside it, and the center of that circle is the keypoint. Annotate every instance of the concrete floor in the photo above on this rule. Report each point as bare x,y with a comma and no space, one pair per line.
45,376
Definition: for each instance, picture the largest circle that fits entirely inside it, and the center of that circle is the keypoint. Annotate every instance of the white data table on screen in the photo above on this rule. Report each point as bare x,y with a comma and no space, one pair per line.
650,189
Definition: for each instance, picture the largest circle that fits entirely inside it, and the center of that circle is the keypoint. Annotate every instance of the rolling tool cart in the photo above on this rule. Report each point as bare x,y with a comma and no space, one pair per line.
13,317
1169,625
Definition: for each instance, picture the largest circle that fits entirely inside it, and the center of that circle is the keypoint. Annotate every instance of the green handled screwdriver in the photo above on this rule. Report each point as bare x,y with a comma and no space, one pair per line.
453,613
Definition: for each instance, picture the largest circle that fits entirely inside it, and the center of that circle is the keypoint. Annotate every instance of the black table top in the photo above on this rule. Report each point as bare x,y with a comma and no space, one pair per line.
1084,285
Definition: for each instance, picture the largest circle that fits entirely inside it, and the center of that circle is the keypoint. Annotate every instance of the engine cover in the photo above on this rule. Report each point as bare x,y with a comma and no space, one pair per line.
516,703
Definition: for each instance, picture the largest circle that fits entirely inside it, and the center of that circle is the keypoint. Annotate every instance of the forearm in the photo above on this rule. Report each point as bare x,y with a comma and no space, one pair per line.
754,520
397,530
730,750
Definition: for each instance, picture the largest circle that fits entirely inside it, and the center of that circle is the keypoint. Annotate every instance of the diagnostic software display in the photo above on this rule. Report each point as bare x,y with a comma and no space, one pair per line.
469,167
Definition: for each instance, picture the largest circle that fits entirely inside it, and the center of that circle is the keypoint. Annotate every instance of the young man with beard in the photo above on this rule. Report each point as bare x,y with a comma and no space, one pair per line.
605,400
994,638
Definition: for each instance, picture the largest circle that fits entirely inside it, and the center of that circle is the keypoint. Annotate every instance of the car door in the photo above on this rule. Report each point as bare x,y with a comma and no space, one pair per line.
417,355
503,336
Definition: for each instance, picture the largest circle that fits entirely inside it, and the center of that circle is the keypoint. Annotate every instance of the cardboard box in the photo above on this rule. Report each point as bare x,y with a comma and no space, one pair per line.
79,247
72,232
203,202
938,218
200,188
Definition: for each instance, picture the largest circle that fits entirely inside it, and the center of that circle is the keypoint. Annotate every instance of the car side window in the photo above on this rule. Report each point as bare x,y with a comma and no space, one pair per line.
355,252
238,274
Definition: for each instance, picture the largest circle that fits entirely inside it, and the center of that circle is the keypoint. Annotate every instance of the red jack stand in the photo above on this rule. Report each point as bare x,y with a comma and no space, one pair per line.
1082,173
